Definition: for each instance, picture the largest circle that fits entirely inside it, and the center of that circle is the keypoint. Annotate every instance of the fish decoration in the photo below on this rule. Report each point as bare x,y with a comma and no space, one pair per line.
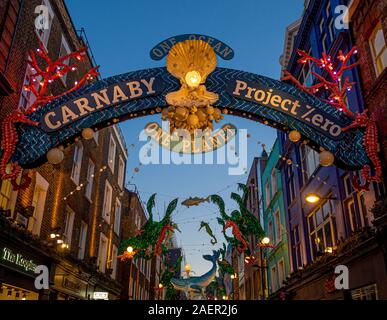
194,201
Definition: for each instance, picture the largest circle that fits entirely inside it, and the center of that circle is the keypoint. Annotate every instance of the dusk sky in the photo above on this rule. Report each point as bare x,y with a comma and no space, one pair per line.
121,34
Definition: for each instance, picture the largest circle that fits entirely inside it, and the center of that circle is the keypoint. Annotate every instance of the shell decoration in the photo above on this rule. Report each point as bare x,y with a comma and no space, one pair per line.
191,61
191,55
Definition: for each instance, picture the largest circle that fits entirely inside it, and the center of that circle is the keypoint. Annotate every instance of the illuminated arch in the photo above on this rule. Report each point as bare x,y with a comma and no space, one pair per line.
35,142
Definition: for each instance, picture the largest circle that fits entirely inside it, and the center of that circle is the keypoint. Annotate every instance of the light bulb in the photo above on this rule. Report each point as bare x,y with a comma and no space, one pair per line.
193,79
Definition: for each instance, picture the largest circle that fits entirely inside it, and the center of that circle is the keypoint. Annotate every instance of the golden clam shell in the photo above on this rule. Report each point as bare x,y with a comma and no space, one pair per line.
191,55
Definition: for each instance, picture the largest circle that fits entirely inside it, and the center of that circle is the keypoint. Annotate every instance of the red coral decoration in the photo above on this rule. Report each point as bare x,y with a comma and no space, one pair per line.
237,234
45,76
336,86
161,239
370,143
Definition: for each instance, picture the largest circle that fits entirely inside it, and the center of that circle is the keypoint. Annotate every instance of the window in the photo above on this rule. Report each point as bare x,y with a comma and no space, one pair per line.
347,185
27,98
321,25
270,230
310,161
38,202
69,224
331,29
292,188
77,163
277,222
112,153
5,193
378,49
322,229
64,50
121,172
273,182
281,272
82,241
363,209
324,43
297,247
350,204
267,193
90,180
102,252
328,10
44,33
107,202
117,217
114,261
96,136
273,277
369,292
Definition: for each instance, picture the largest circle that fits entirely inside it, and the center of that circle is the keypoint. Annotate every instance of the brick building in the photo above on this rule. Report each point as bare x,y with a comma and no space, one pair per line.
368,22
135,275
252,275
69,217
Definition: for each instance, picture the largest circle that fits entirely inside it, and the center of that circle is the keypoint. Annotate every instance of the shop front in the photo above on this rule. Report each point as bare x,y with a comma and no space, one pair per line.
69,283
18,261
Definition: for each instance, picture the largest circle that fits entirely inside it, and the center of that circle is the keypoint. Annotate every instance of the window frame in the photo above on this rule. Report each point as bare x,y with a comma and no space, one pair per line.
90,180
377,55
82,240
35,222
68,226
45,36
112,153
121,171
117,217
65,45
77,163
102,267
107,202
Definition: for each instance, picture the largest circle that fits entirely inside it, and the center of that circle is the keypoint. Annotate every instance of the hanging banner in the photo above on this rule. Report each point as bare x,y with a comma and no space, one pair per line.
87,104
288,104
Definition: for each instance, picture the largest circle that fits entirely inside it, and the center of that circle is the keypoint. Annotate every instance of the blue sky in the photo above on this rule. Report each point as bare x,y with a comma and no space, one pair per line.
121,34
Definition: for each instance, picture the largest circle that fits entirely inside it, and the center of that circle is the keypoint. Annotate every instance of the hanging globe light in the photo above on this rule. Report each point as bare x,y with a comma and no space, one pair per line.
326,158
87,133
55,156
294,136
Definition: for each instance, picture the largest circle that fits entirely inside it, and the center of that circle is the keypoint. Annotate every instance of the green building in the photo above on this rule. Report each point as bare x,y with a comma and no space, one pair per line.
273,212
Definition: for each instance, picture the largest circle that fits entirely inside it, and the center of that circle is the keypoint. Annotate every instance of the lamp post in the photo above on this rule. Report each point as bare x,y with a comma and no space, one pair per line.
265,243
187,269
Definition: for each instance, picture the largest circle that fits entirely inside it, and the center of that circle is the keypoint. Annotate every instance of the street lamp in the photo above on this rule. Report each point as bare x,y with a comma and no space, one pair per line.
187,269
314,198
265,241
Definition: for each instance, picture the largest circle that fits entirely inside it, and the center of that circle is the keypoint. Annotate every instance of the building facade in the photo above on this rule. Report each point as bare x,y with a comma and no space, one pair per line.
135,275
252,274
69,218
277,258
339,228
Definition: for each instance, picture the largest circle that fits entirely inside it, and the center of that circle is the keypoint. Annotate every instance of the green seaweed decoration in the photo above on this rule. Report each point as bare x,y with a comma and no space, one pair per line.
149,240
246,222
224,265
165,279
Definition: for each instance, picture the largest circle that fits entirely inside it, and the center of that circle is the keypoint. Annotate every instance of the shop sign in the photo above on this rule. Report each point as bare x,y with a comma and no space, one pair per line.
101,295
15,259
